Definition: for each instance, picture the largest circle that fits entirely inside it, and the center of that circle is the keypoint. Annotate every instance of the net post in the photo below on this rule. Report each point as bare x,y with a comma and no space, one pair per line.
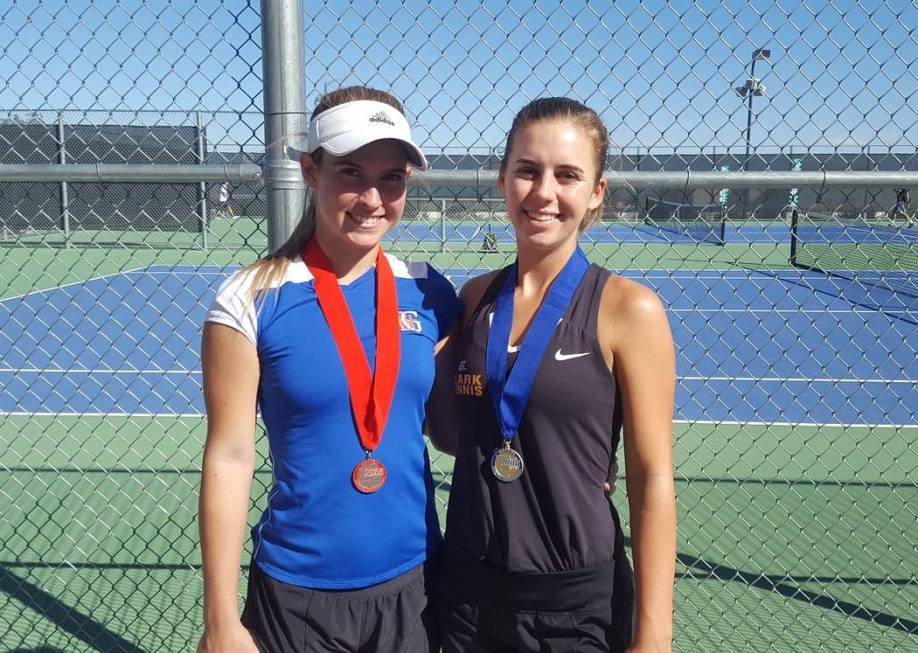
793,238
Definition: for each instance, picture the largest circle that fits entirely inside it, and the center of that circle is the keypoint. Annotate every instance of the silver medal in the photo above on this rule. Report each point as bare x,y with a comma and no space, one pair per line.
506,464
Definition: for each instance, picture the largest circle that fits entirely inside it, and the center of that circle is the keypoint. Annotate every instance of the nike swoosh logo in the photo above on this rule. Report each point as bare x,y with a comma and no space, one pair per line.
566,357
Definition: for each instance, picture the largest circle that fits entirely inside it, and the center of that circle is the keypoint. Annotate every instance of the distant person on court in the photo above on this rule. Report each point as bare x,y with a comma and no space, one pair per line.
225,204
903,199
334,342
555,357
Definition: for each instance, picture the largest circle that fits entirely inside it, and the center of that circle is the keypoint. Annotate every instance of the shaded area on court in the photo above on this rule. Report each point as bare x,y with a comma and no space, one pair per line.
782,585
65,617
160,549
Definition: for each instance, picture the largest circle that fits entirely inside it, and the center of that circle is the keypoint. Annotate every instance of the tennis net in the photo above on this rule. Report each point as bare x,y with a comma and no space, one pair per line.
874,253
703,223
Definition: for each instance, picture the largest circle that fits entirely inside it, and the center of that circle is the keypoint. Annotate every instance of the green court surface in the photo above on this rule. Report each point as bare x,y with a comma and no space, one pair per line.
790,537
105,550
40,261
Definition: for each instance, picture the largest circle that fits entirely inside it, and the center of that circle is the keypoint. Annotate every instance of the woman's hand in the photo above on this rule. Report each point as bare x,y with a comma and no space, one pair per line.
231,639
648,648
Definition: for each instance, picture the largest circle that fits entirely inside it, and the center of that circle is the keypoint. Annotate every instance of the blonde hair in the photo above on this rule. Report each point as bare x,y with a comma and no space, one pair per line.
270,269
562,108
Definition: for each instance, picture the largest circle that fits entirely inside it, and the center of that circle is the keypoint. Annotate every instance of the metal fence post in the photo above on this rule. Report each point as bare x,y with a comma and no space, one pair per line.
283,71
65,198
443,225
202,187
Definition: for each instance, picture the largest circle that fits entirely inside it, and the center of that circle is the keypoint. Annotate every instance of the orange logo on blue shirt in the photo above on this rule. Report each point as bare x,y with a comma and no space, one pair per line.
409,321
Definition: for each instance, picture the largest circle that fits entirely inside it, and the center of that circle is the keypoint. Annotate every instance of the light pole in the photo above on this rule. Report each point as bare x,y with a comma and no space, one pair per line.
750,89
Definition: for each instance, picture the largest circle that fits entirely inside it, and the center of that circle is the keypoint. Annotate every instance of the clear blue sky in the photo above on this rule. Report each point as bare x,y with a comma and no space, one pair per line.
660,74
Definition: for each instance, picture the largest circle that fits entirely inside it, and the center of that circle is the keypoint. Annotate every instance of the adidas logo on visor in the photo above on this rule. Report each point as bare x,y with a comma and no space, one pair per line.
380,116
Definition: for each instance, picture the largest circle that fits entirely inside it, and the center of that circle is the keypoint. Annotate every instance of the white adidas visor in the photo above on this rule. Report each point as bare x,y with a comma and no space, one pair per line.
349,126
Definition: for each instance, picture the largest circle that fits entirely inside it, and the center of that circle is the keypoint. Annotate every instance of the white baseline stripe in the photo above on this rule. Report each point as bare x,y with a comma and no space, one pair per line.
678,421
99,414
67,285
794,311
860,425
184,273
48,370
651,273
187,267
793,379
768,379
654,272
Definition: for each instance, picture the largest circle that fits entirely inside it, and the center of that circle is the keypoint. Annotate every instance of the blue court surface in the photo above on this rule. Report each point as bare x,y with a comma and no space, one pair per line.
753,346
474,232
734,232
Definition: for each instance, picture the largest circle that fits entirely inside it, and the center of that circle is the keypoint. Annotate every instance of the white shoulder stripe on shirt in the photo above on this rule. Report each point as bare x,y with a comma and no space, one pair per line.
298,272
407,269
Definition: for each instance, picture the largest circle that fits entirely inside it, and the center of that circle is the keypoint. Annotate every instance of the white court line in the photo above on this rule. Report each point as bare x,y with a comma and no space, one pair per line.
692,274
99,414
182,268
767,379
187,273
56,370
654,272
793,311
860,425
649,273
644,272
687,273
709,273
791,379
677,421
68,285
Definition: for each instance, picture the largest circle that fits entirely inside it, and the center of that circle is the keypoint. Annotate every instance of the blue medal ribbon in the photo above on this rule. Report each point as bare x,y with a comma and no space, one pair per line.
510,393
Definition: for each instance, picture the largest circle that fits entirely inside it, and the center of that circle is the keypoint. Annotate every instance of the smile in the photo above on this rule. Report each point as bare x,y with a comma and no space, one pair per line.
367,221
541,217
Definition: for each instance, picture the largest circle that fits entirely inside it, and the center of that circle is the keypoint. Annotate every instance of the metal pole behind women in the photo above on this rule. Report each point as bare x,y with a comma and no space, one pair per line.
283,76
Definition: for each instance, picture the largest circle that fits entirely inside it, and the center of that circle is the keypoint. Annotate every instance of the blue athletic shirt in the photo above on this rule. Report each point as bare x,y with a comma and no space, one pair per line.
318,531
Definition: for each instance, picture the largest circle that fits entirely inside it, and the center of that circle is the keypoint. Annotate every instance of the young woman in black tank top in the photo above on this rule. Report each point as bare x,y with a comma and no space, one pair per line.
534,557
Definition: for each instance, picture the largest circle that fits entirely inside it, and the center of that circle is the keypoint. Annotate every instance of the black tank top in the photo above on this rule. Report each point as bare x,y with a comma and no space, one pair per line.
556,516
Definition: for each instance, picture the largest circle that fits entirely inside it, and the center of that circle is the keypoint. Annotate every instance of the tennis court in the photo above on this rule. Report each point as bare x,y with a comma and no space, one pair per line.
762,173
792,447
610,232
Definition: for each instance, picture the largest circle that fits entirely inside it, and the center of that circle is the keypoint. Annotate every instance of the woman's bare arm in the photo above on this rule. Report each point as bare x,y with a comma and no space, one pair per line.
638,333
231,373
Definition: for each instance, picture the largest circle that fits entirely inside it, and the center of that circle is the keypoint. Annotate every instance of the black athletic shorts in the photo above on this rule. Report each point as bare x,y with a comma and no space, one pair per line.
389,617
481,609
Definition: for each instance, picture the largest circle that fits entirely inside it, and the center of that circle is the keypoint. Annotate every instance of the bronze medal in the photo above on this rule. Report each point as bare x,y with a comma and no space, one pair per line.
369,475
506,464
370,393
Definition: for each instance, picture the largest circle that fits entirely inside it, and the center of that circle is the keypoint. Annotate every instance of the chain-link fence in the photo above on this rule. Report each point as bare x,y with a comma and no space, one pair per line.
759,156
